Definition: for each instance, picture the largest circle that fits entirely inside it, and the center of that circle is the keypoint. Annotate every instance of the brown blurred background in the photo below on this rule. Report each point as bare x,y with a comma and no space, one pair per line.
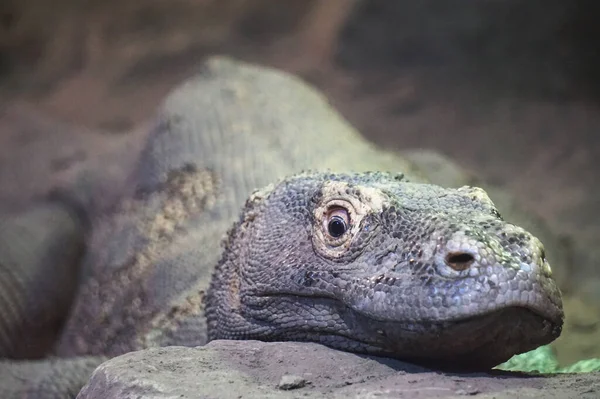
509,89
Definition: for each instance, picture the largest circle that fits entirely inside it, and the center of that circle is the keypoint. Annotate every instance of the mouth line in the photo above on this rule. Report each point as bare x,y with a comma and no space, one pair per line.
498,313
440,323
477,341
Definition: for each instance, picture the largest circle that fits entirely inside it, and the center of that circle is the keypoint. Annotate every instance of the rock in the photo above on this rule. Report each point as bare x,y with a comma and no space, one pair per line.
252,369
467,392
288,382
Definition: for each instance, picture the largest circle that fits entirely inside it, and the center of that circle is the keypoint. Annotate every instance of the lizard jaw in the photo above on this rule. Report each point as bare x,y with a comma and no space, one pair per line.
482,342
474,343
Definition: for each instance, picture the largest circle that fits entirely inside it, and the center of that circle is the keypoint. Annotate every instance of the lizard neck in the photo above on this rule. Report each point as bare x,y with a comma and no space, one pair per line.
224,307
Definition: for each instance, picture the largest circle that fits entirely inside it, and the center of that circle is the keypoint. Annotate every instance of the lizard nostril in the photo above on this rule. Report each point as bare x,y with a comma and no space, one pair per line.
459,261
543,255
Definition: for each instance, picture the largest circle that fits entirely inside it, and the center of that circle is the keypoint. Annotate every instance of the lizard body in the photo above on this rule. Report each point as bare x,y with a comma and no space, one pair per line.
234,128
192,180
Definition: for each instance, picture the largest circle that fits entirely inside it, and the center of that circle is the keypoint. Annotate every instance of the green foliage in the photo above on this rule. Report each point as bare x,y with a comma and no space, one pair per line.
543,360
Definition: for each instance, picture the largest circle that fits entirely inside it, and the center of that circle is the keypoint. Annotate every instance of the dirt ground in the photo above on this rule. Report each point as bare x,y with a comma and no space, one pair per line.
508,89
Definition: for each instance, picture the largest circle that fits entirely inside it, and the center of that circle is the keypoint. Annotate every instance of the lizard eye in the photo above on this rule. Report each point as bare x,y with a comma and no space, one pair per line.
337,220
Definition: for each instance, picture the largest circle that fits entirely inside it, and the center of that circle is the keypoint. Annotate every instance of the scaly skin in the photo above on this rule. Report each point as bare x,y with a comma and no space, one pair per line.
420,272
234,128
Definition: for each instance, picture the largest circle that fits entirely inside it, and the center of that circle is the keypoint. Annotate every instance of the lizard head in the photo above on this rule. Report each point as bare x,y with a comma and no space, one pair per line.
370,263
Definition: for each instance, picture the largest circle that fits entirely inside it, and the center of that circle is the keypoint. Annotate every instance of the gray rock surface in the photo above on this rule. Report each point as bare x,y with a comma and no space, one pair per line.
252,369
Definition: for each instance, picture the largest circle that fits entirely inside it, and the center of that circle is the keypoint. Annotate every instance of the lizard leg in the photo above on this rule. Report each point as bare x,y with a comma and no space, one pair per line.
46,379
40,250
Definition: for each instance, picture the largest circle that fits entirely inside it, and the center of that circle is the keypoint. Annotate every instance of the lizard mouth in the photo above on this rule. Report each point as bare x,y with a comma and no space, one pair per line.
474,343
477,342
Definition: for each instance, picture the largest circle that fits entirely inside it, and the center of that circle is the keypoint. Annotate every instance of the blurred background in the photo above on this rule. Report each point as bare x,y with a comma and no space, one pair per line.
508,89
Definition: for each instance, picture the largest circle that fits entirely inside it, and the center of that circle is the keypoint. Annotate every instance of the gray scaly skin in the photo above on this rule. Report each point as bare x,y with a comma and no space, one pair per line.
46,237
371,263
234,128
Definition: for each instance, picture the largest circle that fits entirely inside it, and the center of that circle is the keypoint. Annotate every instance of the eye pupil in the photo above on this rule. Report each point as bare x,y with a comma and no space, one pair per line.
337,226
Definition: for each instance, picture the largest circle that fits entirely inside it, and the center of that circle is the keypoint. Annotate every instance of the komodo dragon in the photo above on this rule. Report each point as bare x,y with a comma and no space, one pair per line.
372,262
